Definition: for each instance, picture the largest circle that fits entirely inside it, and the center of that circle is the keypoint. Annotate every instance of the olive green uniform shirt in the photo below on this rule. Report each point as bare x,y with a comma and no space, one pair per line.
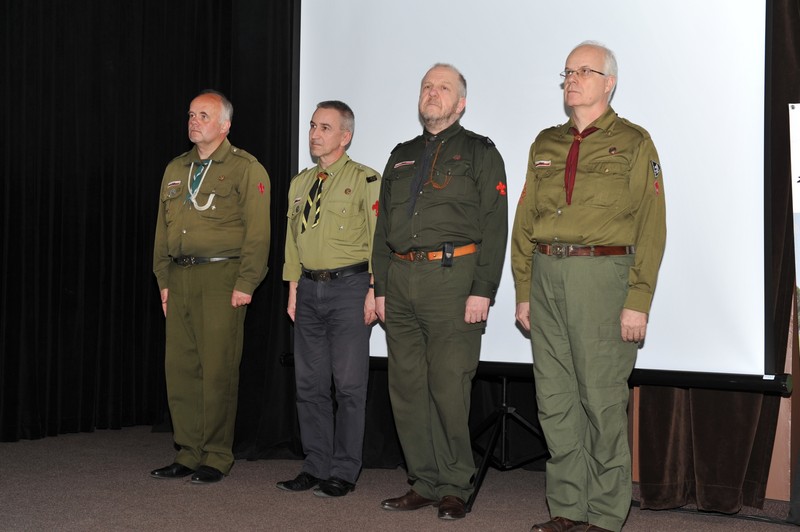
618,200
348,210
235,224
462,201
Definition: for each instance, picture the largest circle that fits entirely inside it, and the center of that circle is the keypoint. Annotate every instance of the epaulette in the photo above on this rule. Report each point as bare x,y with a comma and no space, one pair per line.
485,140
369,173
404,143
242,153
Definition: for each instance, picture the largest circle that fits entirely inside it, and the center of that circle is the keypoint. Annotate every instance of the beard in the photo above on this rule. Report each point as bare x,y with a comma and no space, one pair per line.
436,119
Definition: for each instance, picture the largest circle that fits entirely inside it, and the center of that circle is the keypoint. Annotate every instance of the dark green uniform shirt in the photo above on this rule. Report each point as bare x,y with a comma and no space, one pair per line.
235,222
618,200
463,200
348,210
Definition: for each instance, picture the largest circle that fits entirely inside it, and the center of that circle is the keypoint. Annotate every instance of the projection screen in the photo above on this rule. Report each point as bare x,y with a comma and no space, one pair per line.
691,73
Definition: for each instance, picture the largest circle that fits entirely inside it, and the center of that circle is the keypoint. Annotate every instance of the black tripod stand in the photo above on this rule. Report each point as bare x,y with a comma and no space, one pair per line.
499,420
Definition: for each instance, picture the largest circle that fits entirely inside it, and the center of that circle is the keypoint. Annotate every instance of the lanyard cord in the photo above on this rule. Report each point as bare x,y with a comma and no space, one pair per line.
193,192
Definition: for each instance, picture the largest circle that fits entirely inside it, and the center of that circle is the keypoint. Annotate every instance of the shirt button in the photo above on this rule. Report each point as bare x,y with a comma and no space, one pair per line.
184,231
414,236
558,212
341,228
555,239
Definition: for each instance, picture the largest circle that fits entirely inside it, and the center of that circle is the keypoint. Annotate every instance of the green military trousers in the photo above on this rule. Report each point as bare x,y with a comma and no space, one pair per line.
204,348
433,356
581,367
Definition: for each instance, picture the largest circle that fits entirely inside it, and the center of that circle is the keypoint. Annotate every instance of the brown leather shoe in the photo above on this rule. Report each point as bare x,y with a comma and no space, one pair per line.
452,507
410,501
557,524
586,527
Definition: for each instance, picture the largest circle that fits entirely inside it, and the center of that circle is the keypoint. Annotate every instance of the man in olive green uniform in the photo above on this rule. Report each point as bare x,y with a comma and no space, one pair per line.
439,248
586,246
331,221
210,254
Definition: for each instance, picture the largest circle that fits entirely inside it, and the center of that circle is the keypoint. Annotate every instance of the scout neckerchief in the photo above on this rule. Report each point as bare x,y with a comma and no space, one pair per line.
572,159
314,200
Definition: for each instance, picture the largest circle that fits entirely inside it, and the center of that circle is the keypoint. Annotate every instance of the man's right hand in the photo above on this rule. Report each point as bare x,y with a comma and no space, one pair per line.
380,308
524,315
164,297
291,306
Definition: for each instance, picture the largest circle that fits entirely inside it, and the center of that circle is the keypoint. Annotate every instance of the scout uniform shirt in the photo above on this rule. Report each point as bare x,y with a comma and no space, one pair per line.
235,222
463,200
618,200
348,210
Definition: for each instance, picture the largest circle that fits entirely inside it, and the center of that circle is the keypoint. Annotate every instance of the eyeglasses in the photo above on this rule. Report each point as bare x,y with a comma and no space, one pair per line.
583,72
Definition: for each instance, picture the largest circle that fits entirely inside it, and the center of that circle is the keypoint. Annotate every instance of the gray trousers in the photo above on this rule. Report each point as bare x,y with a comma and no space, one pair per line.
331,341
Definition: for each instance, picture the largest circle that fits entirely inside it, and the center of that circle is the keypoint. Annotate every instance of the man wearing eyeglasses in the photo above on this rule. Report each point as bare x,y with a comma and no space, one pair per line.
586,247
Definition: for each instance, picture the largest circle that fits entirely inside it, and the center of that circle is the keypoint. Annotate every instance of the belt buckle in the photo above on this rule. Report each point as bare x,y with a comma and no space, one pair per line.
419,255
558,250
323,277
184,262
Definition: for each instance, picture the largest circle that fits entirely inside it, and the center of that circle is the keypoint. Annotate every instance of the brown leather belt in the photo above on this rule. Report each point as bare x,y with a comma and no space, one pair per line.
416,255
571,250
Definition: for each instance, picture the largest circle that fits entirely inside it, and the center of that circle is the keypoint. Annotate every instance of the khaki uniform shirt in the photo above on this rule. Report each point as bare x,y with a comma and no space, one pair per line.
236,223
463,201
348,210
618,200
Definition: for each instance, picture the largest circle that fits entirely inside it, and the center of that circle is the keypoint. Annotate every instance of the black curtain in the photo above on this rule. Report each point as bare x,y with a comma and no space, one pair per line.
95,95
712,448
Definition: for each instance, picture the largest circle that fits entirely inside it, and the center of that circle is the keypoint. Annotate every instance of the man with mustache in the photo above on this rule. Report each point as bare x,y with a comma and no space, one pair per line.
438,255
331,221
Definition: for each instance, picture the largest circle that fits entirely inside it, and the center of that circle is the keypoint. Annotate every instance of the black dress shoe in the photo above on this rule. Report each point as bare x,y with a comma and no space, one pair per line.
174,470
207,475
452,507
334,487
301,482
410,501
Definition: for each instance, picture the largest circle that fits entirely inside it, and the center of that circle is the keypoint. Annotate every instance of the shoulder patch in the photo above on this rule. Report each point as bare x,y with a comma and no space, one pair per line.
372,178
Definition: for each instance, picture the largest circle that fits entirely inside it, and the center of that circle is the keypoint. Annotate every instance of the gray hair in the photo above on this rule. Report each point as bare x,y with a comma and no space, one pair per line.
610,60
348,118
462,82
227,106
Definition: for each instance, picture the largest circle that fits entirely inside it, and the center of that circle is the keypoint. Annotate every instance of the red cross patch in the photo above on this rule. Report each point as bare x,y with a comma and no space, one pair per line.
375,207
261,188
501,188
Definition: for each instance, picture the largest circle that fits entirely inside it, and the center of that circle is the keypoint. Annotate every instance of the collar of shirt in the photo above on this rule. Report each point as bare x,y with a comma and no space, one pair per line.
604,122
334,168
218,156
445,135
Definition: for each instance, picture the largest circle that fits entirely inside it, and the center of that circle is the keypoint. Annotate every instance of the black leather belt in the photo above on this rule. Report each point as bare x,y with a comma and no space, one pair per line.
323,276
187,260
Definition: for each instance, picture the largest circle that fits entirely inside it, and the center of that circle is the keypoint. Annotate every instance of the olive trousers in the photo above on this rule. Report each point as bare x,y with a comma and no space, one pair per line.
204,349
581,368
433,356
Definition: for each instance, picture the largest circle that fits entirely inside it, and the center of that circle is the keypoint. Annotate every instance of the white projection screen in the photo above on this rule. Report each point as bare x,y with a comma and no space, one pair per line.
691,73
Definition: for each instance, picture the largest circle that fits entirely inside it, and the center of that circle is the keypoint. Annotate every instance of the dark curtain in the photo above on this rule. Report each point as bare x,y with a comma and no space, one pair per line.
95,95
712,448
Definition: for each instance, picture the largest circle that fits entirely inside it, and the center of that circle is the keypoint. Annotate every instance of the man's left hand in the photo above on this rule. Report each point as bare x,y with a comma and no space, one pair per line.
477,309
240,299
634,325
